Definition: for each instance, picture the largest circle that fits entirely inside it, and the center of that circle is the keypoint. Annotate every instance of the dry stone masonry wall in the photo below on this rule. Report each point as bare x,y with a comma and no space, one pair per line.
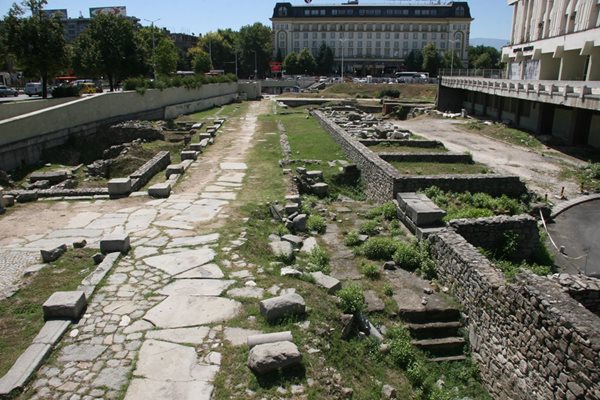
491,233
531,338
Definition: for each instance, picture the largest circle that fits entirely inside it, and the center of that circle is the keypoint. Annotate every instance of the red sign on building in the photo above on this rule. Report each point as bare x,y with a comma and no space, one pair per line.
275,66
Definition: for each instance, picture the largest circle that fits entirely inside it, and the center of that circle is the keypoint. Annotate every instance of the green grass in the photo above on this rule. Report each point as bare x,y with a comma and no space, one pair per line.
391,148
418,168
228,110
502,132
21,315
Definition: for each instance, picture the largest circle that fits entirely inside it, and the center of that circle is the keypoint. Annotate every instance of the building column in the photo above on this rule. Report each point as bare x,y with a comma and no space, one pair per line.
594,67
500,107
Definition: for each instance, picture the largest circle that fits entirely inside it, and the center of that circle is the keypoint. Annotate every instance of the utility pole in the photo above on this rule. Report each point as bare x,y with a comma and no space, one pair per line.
255,63
343,41
153,45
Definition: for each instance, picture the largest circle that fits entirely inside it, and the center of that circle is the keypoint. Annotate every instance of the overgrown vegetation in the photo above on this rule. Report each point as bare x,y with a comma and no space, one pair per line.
21,315
475,205
504,133
352,299
589,177
141,84
316,223
435,168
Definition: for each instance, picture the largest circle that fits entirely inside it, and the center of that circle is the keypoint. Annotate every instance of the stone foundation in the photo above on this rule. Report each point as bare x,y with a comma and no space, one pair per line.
531,338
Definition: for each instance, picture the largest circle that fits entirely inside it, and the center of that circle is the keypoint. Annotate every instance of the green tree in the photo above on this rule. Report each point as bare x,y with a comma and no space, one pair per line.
449,56
306,63
324,59
256,47
490,60
431,59
165,57
290,64
220,46
36,41
279,56
414,60
200,60
110,47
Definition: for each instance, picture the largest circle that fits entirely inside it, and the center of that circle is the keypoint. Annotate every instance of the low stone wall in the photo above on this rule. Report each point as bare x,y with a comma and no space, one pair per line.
9,110
490,233
426,144
492,184
383,181
153,166
583,289
531,339
25,137
377,174
455,158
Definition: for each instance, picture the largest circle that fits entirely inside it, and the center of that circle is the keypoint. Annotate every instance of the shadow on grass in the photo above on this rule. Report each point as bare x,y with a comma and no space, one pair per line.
293,374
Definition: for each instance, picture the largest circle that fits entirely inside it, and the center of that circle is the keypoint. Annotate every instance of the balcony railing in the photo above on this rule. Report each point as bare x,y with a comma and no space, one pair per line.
479,73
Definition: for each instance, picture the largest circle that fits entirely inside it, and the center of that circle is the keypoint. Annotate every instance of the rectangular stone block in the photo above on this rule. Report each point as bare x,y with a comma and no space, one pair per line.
160,190
189,155
51,332
52,177
327,282
116,243
424,213
65,305
205,142
174,169
196,147
8,200
197,125
203,136
119,187
23,368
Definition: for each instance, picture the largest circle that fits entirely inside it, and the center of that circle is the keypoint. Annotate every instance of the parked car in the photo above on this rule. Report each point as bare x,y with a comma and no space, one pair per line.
89,88
6,91
33,88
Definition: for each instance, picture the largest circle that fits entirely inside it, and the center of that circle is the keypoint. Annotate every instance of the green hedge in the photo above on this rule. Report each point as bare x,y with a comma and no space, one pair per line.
140,84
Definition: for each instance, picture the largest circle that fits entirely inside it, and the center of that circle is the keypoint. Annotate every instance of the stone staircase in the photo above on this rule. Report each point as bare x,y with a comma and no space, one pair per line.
435,332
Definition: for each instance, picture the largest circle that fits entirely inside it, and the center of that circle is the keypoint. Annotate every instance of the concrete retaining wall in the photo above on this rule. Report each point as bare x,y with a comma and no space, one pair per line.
23,138
10,110
531,339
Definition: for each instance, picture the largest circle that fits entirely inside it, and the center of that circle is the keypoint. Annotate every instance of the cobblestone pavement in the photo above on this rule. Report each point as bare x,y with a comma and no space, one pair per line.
155,328
13,264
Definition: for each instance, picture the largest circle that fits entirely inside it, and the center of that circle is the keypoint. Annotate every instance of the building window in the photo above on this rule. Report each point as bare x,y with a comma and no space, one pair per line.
359,52
305,44
360,35
405,35
378,35
415,45
460,11
305,35
369,35
388,35
424,36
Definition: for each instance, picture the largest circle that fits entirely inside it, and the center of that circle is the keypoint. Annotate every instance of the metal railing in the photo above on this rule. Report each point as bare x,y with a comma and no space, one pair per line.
480,73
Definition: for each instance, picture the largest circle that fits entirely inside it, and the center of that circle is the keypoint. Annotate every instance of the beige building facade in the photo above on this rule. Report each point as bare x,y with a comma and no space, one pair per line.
372,39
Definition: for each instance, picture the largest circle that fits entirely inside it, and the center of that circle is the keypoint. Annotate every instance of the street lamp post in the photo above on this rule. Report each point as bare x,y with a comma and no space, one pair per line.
255,63
153,45
342,41
453,42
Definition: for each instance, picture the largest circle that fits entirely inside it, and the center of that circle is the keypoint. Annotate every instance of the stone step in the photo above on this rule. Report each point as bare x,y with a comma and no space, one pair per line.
434,330
429,315
448,359
444,347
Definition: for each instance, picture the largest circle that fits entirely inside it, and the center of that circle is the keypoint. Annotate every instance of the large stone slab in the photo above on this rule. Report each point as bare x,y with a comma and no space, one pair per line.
196,287
119,187
53,177
207,271
24,367
51,332
247,292
163,361
64,305
331,284
420,209
194,240
282,249
181,335
187,311
228,166
177,263
239,336
270,357
115,243
160,190
145,389
81,352
282,306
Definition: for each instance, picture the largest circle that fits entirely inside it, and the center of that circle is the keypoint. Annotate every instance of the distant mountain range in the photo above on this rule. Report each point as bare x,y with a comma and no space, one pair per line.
497,43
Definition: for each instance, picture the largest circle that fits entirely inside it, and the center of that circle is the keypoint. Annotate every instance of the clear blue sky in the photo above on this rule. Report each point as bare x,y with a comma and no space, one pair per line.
492,17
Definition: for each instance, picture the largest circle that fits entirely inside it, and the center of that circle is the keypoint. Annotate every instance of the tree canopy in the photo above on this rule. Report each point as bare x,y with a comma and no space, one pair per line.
256,47
431,59
36,41
325,59
484,57
414,60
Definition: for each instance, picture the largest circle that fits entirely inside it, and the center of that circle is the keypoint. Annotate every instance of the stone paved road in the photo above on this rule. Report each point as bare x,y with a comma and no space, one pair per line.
157,324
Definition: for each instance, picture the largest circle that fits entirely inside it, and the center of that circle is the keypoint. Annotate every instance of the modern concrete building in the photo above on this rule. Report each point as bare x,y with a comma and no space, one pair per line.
371,38
552,84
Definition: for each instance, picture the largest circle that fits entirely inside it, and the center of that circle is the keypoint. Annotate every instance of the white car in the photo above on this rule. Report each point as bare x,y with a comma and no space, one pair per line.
33,88
6,91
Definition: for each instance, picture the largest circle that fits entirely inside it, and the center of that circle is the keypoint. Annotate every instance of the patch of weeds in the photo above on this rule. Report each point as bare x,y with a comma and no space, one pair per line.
370,228
281,230
318,260
370,270
316,223
475,205
408,256
388,290
395,229
352,299
378,248
351,239
387,211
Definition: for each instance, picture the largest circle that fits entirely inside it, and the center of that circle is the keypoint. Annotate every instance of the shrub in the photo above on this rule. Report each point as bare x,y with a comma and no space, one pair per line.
65,91
318,260
351,239
379,248
417,373
428,269
370,270
402,352
387,210
394,93
370,228
388,290
408,256
352,299
282,230
316,223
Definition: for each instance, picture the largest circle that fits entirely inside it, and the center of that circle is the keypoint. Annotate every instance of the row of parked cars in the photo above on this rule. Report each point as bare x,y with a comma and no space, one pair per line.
31,89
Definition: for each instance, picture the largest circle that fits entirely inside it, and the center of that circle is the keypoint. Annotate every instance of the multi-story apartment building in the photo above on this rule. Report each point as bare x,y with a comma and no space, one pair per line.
552,84
372,39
